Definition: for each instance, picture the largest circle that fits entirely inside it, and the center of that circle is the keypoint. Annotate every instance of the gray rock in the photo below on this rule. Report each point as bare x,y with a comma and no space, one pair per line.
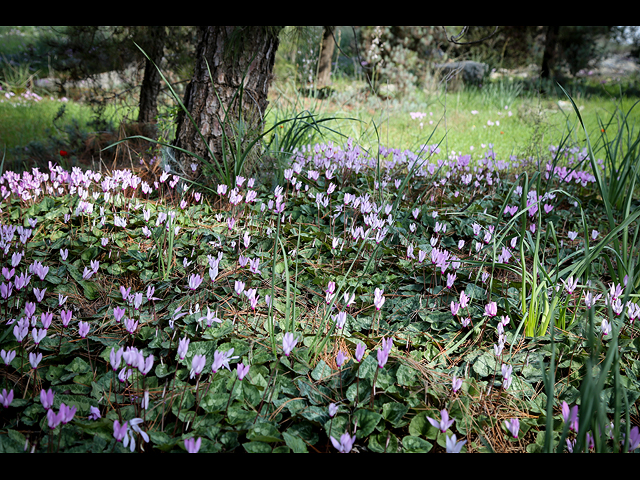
471,72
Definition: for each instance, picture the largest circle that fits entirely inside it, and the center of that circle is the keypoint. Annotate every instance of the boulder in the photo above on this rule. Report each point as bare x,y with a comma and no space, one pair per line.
471,72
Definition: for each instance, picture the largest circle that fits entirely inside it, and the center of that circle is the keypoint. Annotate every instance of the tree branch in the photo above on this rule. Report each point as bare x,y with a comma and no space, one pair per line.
454,38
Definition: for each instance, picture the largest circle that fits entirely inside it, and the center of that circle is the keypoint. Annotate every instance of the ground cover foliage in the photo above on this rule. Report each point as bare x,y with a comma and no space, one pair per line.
369,298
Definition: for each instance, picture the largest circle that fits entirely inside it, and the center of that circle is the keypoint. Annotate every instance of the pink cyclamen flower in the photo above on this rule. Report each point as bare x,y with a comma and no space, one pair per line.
288,343
383,356
378,298
192,445
491,309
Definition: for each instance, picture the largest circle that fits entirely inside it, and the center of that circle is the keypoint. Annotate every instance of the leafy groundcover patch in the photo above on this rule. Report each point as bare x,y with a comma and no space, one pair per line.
396,302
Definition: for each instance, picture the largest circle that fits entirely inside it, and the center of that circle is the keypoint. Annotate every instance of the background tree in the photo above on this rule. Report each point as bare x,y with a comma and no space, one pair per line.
326,55
84,52
228,58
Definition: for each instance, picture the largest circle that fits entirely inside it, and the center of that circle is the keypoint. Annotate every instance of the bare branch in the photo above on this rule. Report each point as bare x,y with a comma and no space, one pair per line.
454,38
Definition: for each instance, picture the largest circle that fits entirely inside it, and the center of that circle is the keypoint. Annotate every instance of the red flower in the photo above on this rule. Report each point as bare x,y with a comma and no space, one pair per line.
64,153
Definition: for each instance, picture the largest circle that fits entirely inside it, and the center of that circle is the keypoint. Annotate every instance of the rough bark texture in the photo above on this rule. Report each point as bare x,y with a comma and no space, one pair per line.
549,55
326,54
150,88
233,53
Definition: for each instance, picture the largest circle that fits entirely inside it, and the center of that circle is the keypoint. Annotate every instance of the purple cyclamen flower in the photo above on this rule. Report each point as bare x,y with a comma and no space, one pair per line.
46,398
192,445
145,365
340,358
94,413
20,331
634,439
333,409
242,370
453,446
6,290
119,431
340,319
183,346
288,343
66,414
46,318
38,335
570,415
65,315
456,384
6,398
130,325
194,281
137,300
444,423
125,292
345,444
513,426
360,349
35,359
53,419
197,365
83,329
7,357
115,358
118,313
39,293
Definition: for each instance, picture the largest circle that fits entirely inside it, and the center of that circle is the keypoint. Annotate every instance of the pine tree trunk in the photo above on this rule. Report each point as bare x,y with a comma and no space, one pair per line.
326,54
549,55
232,53
150,88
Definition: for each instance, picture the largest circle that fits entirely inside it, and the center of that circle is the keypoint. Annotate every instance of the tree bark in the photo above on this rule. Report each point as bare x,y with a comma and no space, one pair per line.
326,54
150,88
236,56
549,56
